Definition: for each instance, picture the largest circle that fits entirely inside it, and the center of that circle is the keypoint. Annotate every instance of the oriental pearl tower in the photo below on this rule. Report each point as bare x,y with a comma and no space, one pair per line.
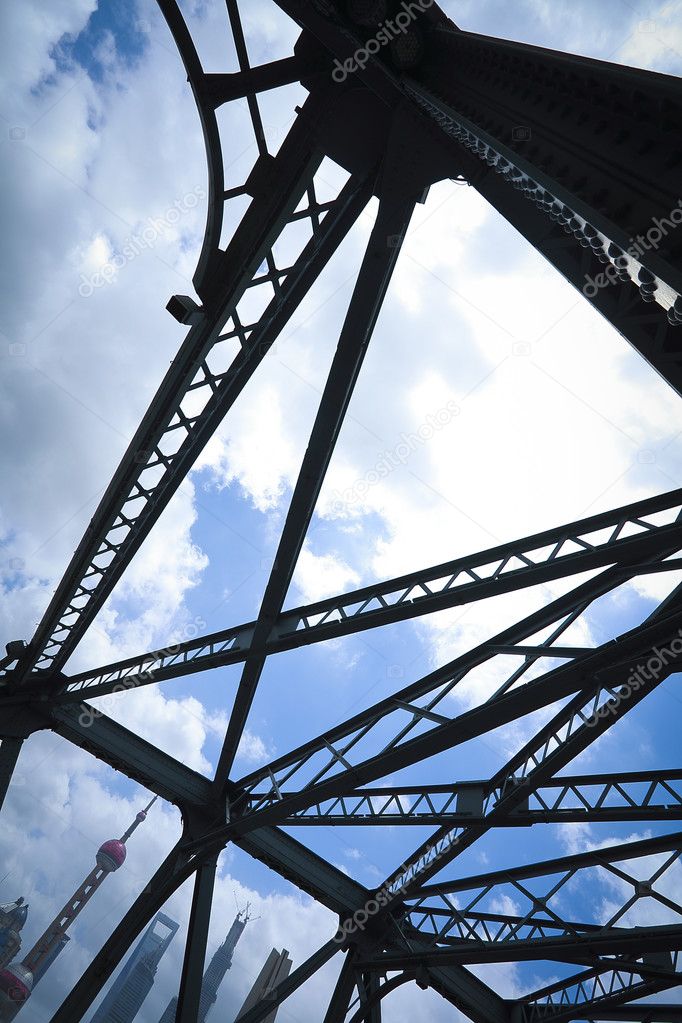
19,978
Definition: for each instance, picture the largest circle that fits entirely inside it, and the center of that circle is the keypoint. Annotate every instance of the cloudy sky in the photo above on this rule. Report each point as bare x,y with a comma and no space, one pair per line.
555,418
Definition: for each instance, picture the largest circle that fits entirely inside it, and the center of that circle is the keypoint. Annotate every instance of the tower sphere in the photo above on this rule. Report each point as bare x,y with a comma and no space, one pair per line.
16,982
111,855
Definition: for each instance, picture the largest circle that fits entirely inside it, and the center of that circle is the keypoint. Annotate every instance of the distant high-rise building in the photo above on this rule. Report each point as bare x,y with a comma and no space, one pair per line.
46,962
276,968
12,919
136,979
213,977
17,979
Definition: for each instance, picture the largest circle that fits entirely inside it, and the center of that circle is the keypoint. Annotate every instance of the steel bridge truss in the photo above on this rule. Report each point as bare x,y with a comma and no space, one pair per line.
580,157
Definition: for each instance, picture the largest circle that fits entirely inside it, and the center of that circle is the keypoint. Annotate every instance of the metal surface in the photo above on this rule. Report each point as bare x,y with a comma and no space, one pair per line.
579,185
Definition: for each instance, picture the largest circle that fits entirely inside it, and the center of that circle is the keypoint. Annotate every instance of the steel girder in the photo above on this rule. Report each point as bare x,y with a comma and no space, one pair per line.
464,930
648,1013
10,748
630,796
590,713
602,987
435,911
442,731
626,536
595,586
192,974
563,949
395,209
559,212
588,146
567,185
170,438
623,652
344,992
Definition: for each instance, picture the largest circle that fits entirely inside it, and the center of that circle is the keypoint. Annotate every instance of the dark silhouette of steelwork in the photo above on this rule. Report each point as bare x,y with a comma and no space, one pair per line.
582,157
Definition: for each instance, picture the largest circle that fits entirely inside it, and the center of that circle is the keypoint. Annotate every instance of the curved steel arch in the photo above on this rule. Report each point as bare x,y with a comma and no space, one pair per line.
212,144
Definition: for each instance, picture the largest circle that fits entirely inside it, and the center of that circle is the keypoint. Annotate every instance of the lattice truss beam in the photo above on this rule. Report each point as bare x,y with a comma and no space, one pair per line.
630,796
591,166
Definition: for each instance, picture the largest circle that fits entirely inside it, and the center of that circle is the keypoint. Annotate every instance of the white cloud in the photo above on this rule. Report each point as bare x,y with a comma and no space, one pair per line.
252,749
180,726
323,575
657,40
33,32
612,893
260,454
541,438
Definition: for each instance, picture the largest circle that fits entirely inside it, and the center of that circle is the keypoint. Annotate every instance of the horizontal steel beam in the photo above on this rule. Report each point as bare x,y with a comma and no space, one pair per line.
222,87
642,1012
549,204
591,712
583,949
572,862
311,873
610,984
541,692
138,759
556,553
448,925
634,796
343,895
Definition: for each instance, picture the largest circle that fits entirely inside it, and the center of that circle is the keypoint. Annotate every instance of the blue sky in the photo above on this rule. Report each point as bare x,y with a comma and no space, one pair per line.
99,134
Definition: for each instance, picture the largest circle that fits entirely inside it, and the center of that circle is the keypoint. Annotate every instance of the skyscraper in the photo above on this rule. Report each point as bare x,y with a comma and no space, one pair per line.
47,960
136,979
213,977
17,980
12,919
276,968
